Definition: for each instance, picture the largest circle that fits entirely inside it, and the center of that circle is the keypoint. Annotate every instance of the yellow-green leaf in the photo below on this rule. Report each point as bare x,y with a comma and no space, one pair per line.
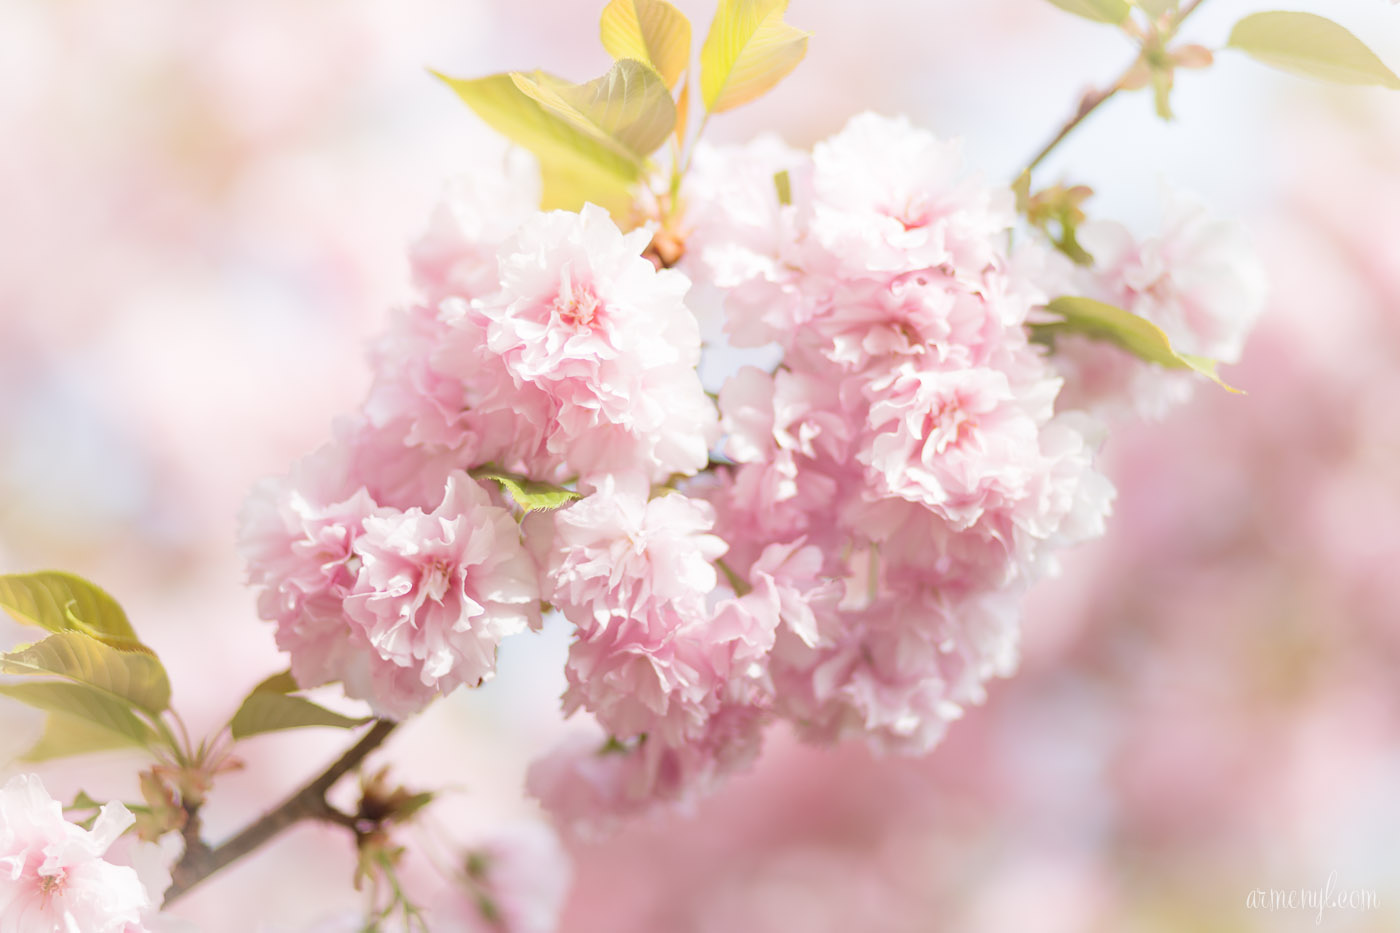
1312,46
683,111
577,166
93,706
65,736
650,31
1156,8
529,494
630,105
1137,335
567,185
128,676
268,711
1113,12
63,602
749,49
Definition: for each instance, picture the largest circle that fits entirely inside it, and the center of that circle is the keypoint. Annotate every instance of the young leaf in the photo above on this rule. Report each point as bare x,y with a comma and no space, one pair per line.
82,800
66,735
528,494
1312,46
1162,80
577,165
1113,12
1138,336
749,49
128,676
93,706
650,31
629,106
568,184
1156,8
267,711
62,602
783,182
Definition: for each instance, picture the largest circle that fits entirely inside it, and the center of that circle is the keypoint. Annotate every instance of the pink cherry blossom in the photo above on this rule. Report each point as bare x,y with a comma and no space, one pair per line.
297,535
584,319
457,254
52,872
888,197
634,575
437,591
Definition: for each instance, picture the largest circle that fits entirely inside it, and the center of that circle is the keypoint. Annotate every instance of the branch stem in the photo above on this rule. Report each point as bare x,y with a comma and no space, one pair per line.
309,803
1096,97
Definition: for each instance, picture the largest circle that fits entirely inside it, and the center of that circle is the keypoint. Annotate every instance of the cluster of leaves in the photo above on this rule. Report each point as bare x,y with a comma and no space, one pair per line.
384,806
595,140
1301,43
101,687
104,690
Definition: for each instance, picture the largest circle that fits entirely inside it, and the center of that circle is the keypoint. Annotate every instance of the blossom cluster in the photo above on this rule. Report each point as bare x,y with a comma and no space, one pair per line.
841,540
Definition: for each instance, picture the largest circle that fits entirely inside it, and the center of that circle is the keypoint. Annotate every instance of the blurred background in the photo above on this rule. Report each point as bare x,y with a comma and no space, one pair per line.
204,208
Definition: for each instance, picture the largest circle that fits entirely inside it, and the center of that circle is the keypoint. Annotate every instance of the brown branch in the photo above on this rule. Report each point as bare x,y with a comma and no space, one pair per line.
1095,98
308,803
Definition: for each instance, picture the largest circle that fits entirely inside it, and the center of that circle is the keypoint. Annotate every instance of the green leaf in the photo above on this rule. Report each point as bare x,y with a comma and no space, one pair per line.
278,683
783,182
95,707
130,676
629,106
1113,12
65,736
267,711
1137,335
529,494
1312,46
83,801
62,602
749,49
650,31
577,166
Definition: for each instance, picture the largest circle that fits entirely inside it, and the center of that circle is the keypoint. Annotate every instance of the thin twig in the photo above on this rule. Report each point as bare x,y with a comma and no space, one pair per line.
308,803
1095,98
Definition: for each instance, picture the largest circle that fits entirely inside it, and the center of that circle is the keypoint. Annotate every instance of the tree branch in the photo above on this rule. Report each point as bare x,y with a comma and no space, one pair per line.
1095,98
308,803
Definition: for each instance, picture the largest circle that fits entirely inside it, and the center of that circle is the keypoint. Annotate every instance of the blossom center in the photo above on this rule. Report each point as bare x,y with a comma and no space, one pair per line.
436,579
577,305
949,424
915,213
51,885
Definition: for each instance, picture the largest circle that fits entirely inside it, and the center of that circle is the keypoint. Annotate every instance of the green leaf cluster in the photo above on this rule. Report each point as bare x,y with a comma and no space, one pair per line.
594,140
1139,336
1300,43
102,688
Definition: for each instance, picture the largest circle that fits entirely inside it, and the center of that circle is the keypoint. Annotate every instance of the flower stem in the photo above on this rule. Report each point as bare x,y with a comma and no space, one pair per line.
1095,98
309,803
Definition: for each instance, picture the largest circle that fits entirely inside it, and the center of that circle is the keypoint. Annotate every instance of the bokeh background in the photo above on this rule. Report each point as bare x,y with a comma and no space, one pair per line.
204,207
